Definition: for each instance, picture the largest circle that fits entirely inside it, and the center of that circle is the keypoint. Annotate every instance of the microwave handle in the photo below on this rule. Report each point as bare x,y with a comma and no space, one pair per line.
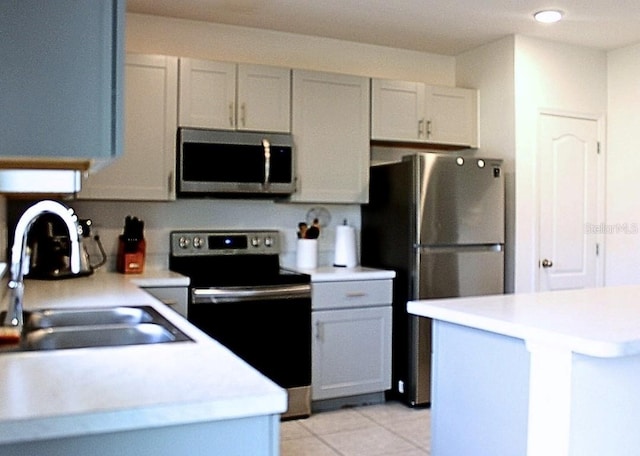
267,162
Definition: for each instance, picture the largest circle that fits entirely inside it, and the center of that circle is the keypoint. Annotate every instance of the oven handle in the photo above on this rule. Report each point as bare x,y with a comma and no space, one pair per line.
240,294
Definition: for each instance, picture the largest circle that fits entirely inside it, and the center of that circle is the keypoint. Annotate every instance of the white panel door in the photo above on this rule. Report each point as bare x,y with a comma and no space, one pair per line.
569,160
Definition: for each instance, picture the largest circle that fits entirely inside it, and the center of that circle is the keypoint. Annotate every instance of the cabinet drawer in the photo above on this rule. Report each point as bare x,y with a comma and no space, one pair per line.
357,293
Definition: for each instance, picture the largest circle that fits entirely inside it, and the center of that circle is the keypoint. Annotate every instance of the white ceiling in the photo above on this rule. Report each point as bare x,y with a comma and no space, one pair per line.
446,27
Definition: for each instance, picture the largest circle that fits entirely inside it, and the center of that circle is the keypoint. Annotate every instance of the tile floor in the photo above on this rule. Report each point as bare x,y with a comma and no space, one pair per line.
390,429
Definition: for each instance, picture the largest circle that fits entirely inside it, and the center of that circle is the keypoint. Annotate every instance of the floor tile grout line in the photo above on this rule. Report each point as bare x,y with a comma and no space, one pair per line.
385,426
379,424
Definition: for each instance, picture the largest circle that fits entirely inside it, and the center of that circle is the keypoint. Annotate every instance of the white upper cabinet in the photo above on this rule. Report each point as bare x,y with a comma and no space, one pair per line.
229,96
416,112
146,169
264,98
330,126
61,83
451,116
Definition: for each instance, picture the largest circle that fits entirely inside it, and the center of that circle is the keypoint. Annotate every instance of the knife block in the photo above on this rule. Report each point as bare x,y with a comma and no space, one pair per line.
131,255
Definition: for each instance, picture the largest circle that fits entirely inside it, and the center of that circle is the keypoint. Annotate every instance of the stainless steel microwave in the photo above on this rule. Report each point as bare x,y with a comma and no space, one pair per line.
221,162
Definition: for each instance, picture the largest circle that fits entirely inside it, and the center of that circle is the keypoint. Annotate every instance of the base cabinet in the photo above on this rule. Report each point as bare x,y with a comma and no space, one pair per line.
351,347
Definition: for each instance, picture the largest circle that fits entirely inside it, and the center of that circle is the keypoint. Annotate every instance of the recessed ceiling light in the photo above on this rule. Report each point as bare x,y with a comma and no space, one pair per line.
548,16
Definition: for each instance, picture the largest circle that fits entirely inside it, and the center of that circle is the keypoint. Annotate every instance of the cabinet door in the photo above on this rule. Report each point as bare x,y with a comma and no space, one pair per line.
452,115
330,124
207,94
61,84
397,110
264,98
351,352
145,171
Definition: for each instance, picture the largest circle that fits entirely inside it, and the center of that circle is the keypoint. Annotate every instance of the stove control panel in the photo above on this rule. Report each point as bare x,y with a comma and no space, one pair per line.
192,243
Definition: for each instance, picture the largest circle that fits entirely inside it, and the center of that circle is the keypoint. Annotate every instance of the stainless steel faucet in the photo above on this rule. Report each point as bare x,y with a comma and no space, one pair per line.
14,315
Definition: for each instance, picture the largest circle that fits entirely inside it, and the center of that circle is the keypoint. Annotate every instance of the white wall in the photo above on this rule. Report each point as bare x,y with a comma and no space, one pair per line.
623,168
490,69
162,217
152,34
518,77
548,76
149,34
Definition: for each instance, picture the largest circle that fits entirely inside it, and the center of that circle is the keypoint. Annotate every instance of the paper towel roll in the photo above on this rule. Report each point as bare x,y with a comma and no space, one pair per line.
345,248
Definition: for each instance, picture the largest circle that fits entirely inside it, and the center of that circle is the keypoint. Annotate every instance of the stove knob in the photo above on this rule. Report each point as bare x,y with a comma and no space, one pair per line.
198,242
268,241
255,242
184,242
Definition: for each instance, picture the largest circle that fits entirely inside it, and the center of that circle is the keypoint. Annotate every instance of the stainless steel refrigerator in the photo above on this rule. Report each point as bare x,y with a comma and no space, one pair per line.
437,219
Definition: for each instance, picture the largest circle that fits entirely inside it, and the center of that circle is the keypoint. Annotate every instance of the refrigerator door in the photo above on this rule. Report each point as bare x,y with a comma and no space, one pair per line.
442,273
459,271
459,200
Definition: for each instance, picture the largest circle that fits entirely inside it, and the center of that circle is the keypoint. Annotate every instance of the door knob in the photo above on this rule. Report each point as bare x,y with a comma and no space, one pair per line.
547,263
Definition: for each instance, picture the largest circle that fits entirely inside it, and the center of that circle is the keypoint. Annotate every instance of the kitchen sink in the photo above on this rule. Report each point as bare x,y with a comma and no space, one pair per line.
55,329
96,336
52,318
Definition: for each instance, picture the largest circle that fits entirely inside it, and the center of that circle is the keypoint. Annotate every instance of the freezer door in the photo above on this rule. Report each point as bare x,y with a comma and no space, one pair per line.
452,272
459,200
444,273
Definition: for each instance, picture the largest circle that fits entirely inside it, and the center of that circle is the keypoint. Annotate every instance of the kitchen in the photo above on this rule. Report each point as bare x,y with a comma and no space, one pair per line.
492,69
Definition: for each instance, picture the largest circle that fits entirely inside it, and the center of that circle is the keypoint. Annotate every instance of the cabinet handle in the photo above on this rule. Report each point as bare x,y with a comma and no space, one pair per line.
428,129
420,128
231,123
319,332
356,294
170,183
243,114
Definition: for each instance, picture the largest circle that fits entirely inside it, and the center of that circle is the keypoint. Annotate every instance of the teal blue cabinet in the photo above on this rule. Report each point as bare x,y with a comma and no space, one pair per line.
61,79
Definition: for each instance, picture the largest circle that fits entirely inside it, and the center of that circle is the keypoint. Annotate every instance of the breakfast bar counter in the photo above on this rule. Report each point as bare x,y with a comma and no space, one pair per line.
542,374
192,397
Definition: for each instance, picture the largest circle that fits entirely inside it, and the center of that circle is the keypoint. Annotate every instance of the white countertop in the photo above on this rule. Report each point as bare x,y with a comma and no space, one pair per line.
602,322
336,274
48,394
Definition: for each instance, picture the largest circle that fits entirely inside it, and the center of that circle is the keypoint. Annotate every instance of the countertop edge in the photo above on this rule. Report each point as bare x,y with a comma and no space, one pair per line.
339,274
128,420
241,391
531,334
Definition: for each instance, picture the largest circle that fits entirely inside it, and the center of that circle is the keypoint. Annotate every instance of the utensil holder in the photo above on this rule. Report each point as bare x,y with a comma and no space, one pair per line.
131,255
307,254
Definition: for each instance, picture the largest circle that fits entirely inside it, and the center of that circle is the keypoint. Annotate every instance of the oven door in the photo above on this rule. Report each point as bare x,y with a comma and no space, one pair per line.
267,326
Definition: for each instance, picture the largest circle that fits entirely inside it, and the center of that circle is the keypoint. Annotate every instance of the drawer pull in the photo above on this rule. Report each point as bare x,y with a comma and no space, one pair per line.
356,294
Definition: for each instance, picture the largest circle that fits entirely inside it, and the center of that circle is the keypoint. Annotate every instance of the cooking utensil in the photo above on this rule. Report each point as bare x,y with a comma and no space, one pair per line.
302,230
313,232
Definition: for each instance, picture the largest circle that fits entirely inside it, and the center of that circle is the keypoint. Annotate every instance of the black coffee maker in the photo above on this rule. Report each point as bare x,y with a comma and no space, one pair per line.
49,249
